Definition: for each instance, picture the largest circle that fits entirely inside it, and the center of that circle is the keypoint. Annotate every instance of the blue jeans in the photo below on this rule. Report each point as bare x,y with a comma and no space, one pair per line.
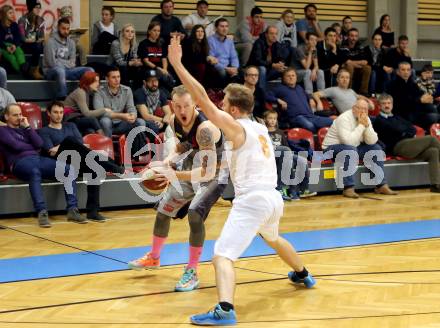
267,75
361,150
61,74
312,123
121,127
33,169
298,164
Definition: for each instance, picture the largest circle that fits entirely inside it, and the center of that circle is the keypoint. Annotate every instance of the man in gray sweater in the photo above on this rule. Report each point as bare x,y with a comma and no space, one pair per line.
59,61
119,98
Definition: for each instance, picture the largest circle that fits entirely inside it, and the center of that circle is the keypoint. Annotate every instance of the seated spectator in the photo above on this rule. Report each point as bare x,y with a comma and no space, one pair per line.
398,136
410,102
305,62
295,102
60,58
200,17
153,54
75,34
247,32
299,164
309,24
3,78
269,56
10,41
152,103
352,132
347,25
124,55
385,31
196,54
425,81
58,137
222,49
169,24
31,27
251,82
329,56
119,99
397,55
286,28
341,96
78,105
6,98
356,62
21,145
338,29
376,55
105,31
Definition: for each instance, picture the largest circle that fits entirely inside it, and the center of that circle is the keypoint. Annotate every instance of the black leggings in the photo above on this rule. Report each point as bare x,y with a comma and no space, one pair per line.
86,125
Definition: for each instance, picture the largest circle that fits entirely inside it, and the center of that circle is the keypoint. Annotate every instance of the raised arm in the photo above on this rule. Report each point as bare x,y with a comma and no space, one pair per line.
232,129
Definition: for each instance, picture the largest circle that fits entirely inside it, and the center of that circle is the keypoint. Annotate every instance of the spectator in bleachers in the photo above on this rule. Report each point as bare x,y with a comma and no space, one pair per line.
31,27
6,98
79,105
410,102
397,55
152,103
60,58
347,25
222,49
169,24
3,78
385,31
398,136
287,29
269,56
356,62
329,56
21,145
283,153
376,56
247,32
58,137
309,24
124,55
10,41
292,99
153,54
338,29
305,62
75,35
105,31
119,99
342,96
425,81
196,56
352,131
251,76
200,17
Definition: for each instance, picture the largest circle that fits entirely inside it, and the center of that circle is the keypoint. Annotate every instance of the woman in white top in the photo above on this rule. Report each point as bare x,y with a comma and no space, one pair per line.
104,32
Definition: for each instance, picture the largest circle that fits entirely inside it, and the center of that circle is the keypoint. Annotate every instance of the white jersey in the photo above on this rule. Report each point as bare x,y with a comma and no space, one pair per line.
252,166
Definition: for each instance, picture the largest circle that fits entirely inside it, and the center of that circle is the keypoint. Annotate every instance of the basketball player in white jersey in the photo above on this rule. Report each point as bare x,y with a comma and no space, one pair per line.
257,206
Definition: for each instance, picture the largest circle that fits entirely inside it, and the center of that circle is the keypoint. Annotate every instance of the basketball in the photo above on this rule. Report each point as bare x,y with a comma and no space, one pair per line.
150,185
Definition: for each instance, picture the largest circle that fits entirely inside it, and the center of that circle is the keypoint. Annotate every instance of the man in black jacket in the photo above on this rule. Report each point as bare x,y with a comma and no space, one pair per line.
269,56
409,101
398,136
329,57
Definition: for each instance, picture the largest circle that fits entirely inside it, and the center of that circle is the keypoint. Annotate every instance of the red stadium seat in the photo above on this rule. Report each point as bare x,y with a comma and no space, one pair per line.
3,167
100,143
126,159
419,131
435,130
321,135
299,133
376,110
33,113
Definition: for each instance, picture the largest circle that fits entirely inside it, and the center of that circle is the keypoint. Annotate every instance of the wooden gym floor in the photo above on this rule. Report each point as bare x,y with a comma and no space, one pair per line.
381,269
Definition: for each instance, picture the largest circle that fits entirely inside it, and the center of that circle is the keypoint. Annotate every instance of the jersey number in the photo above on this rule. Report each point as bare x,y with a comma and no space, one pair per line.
264,146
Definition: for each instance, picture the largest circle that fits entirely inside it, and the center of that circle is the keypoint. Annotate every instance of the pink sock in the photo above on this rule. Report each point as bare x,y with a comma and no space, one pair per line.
194,256
157,246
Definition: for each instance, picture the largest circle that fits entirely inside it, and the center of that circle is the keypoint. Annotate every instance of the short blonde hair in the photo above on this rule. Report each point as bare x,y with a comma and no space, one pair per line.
240,97
179,91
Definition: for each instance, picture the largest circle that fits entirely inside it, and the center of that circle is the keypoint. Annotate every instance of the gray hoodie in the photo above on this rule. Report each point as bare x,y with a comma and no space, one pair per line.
59,53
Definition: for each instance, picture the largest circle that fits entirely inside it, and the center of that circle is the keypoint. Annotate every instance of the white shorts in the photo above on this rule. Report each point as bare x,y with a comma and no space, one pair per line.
252,213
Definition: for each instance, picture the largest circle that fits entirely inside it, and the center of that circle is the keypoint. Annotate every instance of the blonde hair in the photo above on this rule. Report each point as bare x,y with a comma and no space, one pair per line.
179,91
121,35
240,97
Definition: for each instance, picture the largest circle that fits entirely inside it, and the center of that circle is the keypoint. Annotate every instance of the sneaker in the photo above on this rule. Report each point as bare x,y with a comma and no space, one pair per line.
96,216
307,193
43,219
188,282
308,281
145,262
284,195
215,317
74,216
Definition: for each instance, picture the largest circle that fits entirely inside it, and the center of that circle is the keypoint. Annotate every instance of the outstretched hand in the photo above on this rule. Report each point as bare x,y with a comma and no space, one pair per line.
175,51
